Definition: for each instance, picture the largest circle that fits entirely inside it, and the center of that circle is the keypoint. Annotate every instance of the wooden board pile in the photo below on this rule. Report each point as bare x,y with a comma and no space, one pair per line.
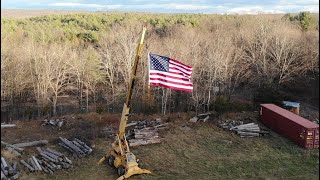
9,171
76,147
244,130
144,132
47,161
200,117
53,122
109,131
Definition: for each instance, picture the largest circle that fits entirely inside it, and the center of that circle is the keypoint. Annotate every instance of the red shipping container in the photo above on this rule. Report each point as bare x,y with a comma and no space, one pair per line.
296,128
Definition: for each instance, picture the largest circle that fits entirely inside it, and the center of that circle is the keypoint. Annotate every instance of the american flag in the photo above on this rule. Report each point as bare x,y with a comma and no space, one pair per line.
169,73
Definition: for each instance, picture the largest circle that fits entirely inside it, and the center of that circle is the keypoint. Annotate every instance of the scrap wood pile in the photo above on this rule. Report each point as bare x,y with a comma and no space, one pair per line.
201,117
9,171
144,132
76,147
53,122
244,130
47,161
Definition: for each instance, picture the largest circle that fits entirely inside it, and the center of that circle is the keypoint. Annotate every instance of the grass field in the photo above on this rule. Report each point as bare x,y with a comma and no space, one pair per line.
203,152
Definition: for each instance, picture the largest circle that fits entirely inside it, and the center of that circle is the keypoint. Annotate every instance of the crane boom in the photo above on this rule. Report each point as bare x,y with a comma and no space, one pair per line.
126,106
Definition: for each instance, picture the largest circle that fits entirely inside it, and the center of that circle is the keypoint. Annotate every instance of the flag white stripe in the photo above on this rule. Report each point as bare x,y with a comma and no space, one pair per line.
170,84
185,67
170,79
167,73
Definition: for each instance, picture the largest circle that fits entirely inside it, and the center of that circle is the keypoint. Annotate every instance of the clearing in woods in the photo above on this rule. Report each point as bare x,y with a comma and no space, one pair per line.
204,150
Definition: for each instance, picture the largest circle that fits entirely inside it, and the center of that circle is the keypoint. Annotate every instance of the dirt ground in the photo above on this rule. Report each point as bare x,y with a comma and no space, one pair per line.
201,151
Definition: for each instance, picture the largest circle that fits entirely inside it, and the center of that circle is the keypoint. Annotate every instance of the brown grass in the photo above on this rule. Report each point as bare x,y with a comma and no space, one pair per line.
203,152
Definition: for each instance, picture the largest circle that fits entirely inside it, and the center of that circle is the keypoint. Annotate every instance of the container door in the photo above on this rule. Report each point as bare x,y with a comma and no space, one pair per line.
316,138
310,138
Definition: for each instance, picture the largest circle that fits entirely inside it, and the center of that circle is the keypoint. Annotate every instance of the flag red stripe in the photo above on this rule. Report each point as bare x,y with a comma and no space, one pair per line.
168,81
170,87
182,74
179,62
188,73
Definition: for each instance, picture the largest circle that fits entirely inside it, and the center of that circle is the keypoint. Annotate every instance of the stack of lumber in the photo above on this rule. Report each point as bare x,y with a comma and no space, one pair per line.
144,136
9,171
109,131
244,130
47,161
76,147
249,130
53,122
144,132
146,123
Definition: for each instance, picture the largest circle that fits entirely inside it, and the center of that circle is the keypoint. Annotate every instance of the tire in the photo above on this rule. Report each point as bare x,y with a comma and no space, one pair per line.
121,171
111,161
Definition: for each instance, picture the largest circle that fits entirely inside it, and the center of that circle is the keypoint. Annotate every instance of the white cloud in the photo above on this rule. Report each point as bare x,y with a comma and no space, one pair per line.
314,9
171,6
283,7
82,5
252,10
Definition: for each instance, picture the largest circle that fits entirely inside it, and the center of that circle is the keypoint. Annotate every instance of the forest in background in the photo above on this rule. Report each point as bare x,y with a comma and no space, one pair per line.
58,64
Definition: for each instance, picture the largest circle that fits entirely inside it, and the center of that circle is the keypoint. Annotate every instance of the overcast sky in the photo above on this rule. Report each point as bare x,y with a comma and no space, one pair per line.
171,6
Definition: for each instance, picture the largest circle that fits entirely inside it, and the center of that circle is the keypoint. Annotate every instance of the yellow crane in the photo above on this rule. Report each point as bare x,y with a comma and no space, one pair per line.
119,155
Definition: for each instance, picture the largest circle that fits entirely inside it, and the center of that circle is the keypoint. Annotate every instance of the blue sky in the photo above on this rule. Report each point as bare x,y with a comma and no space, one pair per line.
171,6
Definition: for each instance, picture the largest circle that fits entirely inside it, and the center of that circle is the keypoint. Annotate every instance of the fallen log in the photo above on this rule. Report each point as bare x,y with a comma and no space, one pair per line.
131,124
10,170
33,143
31,169
48,158
7,125
84,144
255,131
194,119
67,160
68,143
60,123
54,152
12,146
67,147
52,156
33,164
16,176
138,142
85,150
3,176
4,163
14,166
139,136
36,163
4,170
248,134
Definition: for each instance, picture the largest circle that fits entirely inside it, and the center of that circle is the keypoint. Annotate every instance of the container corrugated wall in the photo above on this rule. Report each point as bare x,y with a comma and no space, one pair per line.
299,130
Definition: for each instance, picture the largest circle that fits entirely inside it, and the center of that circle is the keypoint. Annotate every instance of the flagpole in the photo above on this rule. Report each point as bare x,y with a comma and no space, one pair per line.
148,90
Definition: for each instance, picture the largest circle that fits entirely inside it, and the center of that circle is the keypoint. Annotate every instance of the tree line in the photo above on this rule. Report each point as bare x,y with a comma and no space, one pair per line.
84,60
